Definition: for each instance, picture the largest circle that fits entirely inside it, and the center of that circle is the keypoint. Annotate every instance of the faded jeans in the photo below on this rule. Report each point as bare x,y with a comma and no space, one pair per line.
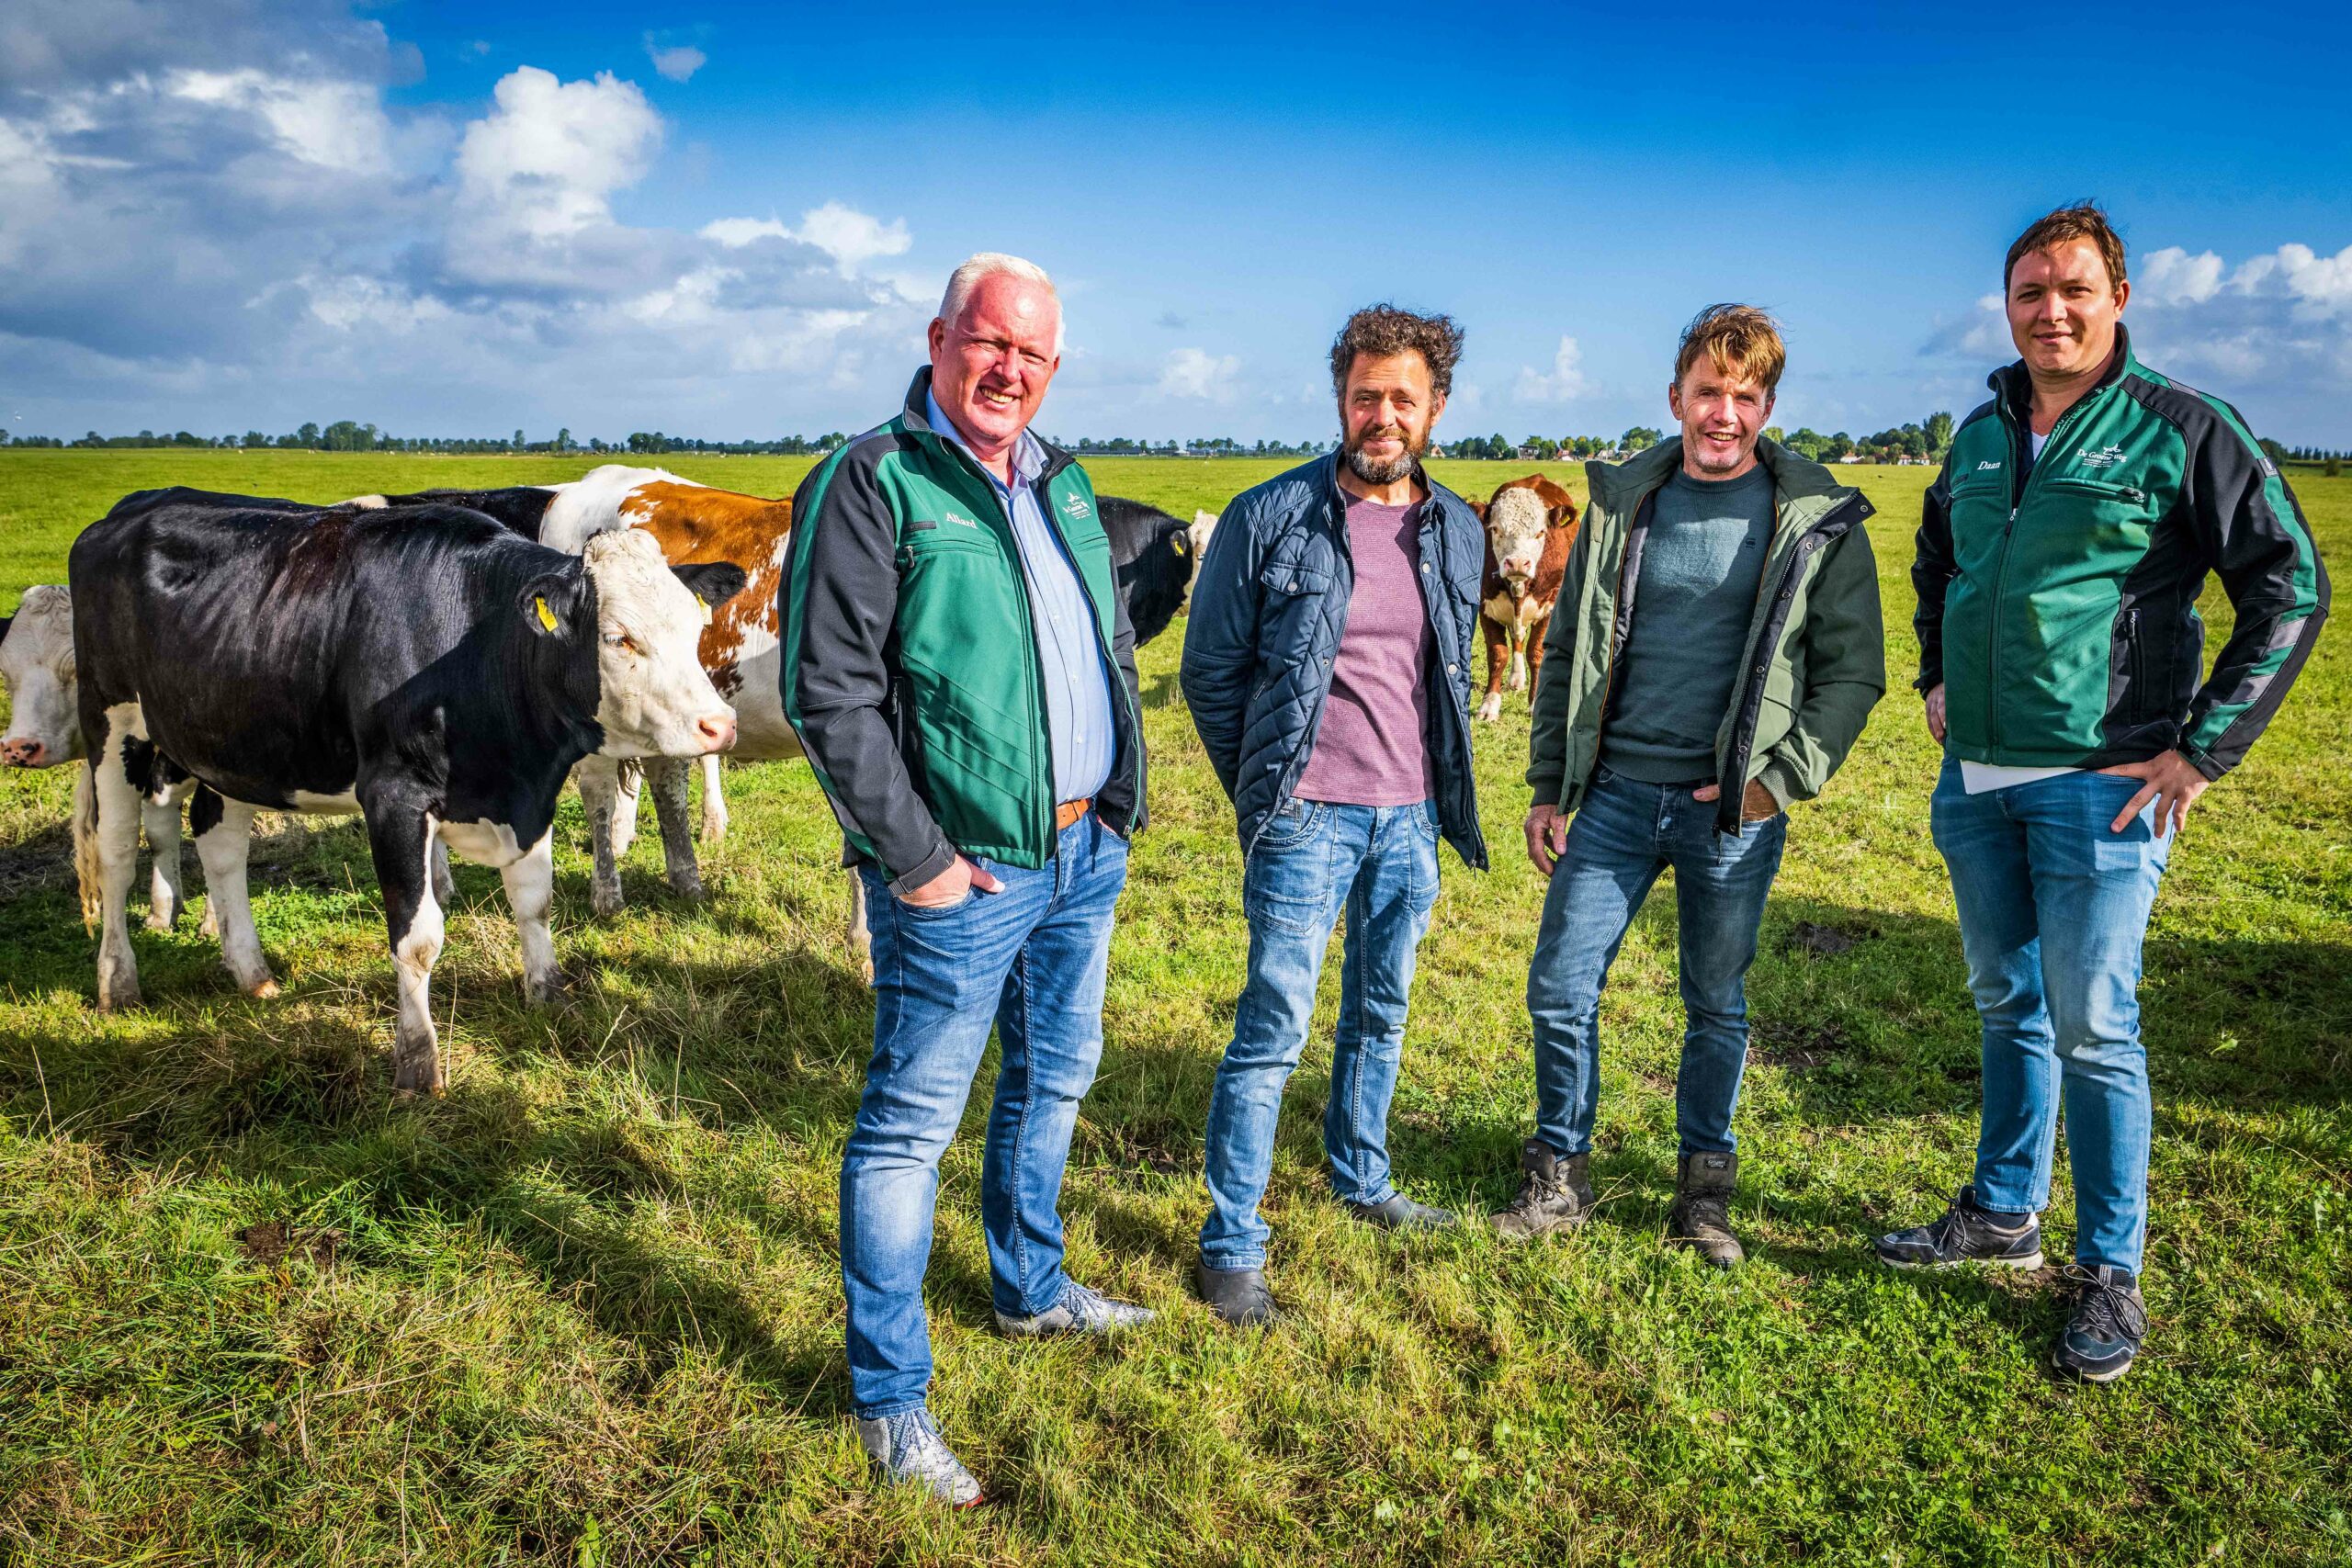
1621,838
2053,909
1314,859
1030,961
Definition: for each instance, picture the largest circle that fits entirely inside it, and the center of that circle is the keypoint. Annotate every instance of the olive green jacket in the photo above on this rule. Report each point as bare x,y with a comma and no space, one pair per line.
1812,666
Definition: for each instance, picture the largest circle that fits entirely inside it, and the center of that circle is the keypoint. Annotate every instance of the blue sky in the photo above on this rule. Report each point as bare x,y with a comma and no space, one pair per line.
733,221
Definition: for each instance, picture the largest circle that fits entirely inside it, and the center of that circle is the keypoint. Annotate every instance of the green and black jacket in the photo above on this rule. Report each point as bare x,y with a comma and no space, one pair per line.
1812,662
2057,598
910,666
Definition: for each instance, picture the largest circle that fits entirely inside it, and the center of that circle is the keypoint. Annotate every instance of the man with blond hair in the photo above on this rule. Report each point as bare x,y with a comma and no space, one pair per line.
2060,555
959,665
1715,652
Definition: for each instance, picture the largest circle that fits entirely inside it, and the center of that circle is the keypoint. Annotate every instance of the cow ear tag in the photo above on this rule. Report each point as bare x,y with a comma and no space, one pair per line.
547,616
703,605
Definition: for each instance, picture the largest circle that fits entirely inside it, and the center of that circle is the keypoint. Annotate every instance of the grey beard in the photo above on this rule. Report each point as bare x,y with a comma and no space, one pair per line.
1376,473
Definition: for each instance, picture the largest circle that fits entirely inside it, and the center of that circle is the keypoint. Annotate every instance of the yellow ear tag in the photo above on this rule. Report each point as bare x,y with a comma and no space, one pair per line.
704,605
547,616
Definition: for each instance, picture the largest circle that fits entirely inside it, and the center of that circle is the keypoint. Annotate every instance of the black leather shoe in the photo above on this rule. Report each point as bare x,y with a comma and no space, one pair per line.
1238,1296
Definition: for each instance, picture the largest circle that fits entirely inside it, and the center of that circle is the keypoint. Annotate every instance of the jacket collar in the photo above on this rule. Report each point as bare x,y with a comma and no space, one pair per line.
1622,486
916,416
2014,386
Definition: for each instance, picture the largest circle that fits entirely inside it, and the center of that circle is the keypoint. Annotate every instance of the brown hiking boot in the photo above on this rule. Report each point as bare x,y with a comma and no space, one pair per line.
1702,1216
1556,1192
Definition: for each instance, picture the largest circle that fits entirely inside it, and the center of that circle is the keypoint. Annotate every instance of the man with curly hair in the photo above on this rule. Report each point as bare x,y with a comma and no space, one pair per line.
1326,665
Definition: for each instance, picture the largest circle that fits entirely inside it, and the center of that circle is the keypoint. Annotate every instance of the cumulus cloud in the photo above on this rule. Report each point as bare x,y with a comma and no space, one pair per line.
1563,383
676,62
1197,374
545,161
226,216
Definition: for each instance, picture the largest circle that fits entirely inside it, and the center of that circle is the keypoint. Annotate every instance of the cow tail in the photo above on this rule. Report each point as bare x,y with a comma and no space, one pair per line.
86,842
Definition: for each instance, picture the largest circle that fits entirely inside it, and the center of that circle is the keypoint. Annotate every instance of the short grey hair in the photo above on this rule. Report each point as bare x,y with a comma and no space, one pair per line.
993,264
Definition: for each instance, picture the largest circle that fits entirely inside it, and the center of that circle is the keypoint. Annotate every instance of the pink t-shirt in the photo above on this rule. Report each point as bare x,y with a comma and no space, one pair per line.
1371,749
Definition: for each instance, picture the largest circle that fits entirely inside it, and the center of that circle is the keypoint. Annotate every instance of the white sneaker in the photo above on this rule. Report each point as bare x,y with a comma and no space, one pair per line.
911,1454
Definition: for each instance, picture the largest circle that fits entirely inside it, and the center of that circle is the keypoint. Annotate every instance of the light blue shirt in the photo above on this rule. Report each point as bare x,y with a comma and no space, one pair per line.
1078,690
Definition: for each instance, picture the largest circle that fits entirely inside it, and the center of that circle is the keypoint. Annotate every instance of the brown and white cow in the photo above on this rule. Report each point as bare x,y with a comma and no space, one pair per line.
693,524
1531,523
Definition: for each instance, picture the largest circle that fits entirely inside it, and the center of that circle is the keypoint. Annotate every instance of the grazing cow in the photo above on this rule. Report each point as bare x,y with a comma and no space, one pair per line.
1204,524
1151,554
1531,523
425,667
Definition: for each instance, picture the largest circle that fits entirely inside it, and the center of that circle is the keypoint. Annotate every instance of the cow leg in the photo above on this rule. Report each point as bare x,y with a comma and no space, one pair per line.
1517,681
160,813
224,830
400,837
670,778
1492,708
114,847
445,884
599,780
860,935
530,892
714,803
628,778
1538,629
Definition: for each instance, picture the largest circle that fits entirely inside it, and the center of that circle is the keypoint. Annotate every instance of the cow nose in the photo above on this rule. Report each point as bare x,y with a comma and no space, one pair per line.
717,731
22,753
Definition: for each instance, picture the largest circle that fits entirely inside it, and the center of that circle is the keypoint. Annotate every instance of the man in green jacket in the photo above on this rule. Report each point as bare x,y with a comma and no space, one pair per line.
959,665
2060,558
1715,650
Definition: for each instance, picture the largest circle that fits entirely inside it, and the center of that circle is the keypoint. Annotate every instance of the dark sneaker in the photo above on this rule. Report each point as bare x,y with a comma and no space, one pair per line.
910,1451
1401,1213
1702,1216
1237,1295
1554,1191
1081,1311
1966,1234
2109,1321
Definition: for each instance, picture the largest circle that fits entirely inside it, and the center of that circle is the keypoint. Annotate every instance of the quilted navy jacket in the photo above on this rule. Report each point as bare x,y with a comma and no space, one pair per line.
1265,622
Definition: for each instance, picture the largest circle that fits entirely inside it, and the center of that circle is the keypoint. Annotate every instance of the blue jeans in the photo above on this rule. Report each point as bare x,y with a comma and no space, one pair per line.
1031,961
1379,863
2053,911
1623,835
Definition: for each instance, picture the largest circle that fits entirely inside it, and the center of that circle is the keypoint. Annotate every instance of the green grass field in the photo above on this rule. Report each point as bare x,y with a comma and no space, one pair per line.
586,1309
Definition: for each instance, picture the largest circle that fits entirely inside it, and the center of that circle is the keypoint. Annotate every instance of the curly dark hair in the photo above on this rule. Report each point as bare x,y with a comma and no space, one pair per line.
1384,330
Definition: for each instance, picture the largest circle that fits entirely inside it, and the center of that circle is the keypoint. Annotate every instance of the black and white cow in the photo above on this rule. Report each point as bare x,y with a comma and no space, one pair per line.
424,667
1155,558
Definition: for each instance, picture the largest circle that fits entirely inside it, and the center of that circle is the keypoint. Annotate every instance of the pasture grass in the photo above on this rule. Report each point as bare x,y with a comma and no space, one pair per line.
586,1309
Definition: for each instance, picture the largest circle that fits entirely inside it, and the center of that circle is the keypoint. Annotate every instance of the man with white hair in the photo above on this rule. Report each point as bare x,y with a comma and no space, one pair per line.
959,667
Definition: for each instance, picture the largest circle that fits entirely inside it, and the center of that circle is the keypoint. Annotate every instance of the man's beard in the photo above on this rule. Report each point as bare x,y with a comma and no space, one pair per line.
1372,472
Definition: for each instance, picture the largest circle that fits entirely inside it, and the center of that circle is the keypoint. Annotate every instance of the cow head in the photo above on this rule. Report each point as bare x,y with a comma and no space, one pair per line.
1204,523
37,669
1516,522
653,697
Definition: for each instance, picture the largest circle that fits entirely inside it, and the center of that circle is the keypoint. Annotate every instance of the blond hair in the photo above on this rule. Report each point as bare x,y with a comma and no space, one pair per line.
1743,340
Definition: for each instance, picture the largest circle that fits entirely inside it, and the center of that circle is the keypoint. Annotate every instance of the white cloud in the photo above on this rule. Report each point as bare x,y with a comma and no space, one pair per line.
1566,383
851,237
334,124
1195,373
2173,276
678,63
545,161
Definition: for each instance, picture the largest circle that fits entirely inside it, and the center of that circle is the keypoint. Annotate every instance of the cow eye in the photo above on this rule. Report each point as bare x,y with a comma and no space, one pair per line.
621,640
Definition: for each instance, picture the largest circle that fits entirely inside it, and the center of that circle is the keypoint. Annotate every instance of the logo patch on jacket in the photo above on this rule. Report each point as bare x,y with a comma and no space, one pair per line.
2105,458
959,521
1076,507
1981,468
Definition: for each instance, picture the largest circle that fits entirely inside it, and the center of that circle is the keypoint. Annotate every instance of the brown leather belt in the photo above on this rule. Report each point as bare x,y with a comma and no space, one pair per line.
1069,811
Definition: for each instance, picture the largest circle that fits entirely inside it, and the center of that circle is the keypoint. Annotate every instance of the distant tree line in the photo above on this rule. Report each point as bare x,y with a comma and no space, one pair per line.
1204,446
350,436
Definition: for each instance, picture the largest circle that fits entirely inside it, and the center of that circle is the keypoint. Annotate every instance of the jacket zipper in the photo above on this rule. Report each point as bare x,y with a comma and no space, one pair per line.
1751,684
2017,447
1043,779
